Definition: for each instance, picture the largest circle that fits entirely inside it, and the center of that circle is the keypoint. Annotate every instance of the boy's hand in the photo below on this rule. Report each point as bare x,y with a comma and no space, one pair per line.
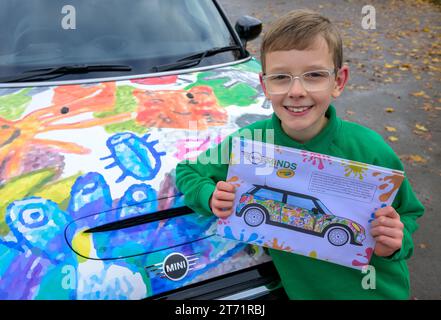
387,229
221,202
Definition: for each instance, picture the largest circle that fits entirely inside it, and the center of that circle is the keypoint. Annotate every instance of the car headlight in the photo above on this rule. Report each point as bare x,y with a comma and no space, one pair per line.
356,226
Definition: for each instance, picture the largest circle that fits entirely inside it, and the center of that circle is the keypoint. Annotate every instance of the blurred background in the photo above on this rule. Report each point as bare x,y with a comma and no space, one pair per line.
394,89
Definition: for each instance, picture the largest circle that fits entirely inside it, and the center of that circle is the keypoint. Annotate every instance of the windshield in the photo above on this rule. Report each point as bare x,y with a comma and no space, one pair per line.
138,33
324,208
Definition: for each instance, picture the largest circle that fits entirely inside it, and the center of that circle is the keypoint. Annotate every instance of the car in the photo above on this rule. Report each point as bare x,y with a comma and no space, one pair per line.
298,212
99,100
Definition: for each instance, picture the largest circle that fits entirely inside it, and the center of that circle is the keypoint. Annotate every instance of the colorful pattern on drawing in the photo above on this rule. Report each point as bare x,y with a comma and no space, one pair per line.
298,218
231,86
132,155
19,137
74,158
195,109
316,159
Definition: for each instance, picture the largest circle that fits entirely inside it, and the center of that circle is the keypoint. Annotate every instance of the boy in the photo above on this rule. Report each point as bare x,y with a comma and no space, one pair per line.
303,70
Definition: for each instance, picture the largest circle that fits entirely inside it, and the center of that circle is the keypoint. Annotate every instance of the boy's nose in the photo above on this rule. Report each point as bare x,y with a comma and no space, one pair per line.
297,89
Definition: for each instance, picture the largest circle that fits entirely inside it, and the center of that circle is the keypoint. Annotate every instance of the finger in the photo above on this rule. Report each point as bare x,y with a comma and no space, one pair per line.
223,195
225,186
387,212
389,242
223,213
387,222
386,231
221,204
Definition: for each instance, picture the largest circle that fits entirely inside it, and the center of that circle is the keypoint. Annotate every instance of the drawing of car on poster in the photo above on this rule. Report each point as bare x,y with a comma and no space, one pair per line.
299,212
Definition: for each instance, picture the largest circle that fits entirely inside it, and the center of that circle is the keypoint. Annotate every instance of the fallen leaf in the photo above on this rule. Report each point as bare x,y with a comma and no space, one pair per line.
390,129
414,158
421,127
392,139
389,66
418,94
389,110
423,246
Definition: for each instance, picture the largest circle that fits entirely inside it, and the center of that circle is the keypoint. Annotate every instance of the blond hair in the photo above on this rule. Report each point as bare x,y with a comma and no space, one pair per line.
298,30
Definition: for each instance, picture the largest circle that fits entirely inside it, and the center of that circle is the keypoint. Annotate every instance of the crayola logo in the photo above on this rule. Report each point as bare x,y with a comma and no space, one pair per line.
285,173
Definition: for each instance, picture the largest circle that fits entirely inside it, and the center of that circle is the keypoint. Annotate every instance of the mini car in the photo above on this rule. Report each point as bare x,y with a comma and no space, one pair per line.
299,212
99,100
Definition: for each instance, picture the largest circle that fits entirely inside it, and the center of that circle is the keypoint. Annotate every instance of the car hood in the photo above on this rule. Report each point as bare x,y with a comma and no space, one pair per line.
87,181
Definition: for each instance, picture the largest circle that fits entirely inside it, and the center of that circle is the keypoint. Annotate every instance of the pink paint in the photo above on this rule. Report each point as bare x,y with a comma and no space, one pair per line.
367,256
191,148
316,159
157,80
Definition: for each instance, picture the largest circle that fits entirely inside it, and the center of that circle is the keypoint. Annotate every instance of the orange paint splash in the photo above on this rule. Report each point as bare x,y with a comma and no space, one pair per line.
275,244
195,109
396,179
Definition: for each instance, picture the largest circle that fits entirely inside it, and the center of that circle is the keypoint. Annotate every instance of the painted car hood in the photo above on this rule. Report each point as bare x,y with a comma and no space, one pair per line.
76,157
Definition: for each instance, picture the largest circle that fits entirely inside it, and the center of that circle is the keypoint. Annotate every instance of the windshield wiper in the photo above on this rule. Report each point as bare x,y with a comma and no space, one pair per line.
50,73
194,59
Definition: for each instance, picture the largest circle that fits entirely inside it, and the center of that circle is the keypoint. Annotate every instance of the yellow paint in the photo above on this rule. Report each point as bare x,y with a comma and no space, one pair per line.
58,191
355,168
356,227
313,254
285,173
81,243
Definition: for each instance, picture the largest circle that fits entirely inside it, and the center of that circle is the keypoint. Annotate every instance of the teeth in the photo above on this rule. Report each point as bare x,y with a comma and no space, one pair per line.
297,109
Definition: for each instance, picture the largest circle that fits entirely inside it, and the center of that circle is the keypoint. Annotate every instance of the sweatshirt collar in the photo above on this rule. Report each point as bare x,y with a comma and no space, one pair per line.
320,143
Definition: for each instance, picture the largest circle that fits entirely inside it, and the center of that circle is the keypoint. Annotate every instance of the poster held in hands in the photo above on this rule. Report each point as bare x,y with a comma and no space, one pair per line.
306,203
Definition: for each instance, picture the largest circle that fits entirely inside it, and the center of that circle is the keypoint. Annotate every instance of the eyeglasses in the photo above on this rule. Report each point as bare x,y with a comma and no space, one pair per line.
312,81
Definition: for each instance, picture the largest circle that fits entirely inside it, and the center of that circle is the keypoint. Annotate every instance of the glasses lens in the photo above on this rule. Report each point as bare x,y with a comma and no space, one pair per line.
278,83
316,80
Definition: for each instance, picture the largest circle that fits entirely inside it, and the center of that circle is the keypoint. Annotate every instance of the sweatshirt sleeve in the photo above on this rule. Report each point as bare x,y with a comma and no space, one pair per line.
197,179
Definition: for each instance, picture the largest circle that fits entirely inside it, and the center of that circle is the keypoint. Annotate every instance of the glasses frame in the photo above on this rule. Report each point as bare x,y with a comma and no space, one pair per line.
300,77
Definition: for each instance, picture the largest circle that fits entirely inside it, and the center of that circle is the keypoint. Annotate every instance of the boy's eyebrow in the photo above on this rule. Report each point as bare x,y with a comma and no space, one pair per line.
317,67
307,68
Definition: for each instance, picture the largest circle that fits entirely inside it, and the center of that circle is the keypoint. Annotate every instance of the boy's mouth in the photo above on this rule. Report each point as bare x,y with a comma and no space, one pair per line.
298,110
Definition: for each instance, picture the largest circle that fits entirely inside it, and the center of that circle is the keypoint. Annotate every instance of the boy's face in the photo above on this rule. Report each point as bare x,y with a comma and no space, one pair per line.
302,113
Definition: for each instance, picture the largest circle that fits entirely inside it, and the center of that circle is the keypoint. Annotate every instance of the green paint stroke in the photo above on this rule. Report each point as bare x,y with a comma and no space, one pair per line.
58,191
19,188
125,102
13,105
130,125
241,94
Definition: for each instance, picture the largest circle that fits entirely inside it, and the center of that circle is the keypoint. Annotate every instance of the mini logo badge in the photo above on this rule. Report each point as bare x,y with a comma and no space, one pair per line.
175,266
285,173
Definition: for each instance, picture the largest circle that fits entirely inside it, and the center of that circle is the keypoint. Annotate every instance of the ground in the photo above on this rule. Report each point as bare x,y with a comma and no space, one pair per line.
395,89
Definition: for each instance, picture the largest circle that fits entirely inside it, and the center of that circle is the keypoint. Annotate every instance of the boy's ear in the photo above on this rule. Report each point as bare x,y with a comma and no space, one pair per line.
340,81
263,85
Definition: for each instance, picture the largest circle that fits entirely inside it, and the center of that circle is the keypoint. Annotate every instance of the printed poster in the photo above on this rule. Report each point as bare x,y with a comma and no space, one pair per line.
306,203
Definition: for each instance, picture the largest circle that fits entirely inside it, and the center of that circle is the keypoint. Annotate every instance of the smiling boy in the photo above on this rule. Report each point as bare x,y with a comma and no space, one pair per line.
302,63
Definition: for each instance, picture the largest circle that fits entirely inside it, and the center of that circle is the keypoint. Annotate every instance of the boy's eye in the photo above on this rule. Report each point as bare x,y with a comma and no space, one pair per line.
279,77
316,75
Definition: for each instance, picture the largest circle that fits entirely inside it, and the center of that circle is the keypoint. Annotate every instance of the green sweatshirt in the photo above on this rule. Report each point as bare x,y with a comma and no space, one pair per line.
304,277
